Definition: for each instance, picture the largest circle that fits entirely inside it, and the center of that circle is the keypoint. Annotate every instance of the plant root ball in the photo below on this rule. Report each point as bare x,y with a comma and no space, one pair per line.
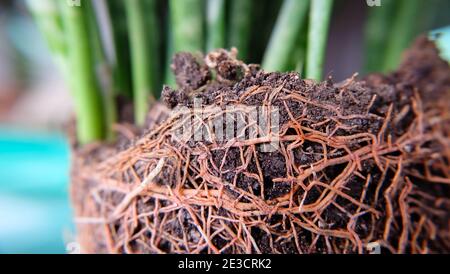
358,164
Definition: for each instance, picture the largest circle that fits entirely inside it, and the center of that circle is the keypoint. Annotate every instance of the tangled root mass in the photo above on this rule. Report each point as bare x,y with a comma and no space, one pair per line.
358,163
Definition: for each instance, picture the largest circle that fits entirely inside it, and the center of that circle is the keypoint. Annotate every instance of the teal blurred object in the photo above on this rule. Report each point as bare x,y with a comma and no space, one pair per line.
442,38
34,207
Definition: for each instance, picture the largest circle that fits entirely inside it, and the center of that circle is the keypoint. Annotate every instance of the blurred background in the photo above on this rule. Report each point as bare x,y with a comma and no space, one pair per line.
35,216
35,107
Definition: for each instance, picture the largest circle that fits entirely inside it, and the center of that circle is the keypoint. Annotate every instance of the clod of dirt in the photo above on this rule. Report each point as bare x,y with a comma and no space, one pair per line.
190,72
354,164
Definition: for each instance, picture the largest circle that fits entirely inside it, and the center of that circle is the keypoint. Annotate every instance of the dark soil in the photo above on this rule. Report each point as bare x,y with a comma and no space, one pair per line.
412,210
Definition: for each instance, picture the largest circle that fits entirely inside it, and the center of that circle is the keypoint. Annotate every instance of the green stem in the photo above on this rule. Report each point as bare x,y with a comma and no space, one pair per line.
187,25
402,32
320,15
103,66
376,34
299,56
285,35
88,98
122,64
216,24
169,77
142,56
152,27
240,26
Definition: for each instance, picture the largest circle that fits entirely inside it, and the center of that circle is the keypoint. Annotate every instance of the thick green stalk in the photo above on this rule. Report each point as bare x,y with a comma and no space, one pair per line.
240,26
88,99
402,32
282,43
299,56
153,28
187,25
104,63
320,15
377,33
142,56
122,65
215,24
169,78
